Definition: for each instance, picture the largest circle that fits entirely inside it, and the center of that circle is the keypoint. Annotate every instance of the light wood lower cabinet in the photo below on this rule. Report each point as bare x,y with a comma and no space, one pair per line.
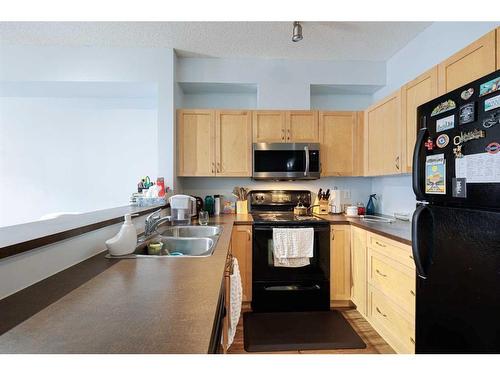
340,264
358,269
391,291
469,64
241,245
395,325
341,143
498,48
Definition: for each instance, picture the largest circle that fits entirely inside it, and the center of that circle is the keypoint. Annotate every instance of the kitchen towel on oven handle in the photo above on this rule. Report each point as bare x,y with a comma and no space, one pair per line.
292,247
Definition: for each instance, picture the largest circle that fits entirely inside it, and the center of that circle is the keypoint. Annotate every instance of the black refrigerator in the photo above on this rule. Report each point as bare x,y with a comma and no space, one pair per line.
456,225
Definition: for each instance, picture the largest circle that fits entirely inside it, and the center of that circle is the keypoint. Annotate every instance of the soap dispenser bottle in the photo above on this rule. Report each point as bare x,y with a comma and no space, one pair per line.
370,207
125,241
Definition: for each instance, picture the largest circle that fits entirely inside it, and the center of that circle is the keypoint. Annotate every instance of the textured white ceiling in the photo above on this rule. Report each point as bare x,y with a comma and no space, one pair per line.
369,41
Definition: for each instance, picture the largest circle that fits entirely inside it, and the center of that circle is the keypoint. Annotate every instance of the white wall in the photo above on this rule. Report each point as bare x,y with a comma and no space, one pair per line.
47,64
332,102
220,100
104,65
433,45
282,84
72,154
430,47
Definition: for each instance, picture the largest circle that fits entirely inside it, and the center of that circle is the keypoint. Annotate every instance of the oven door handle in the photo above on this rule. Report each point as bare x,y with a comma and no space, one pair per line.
306,150
270,228
290,288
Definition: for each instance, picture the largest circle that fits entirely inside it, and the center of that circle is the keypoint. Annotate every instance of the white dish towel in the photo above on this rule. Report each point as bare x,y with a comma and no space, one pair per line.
236,301
292,247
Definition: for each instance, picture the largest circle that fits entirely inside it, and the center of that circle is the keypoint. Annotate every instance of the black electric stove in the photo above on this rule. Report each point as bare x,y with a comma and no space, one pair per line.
285,288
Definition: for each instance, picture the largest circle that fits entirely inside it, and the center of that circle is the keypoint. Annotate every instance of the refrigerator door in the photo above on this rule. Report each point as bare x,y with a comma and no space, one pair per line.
472,124
457,254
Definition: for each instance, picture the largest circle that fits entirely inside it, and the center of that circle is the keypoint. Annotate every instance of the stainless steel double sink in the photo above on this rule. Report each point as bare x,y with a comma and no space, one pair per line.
180,241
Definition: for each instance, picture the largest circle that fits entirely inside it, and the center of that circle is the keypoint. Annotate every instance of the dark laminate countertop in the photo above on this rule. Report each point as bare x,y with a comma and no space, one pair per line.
161,305
398,230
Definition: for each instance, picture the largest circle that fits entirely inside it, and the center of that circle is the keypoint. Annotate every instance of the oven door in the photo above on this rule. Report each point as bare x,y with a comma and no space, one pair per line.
286,161
263,268
290,289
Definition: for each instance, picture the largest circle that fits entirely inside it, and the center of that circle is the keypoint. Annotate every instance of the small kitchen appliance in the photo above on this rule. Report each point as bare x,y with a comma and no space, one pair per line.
286,161
182,208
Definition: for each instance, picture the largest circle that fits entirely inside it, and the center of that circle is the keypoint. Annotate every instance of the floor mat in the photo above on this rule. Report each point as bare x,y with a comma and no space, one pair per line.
308,330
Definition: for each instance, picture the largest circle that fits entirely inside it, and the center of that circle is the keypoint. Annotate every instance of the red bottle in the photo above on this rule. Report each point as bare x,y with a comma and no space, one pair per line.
361,208
161,183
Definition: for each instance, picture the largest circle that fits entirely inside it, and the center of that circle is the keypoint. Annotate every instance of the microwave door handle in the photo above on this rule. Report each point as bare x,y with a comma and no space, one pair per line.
306,150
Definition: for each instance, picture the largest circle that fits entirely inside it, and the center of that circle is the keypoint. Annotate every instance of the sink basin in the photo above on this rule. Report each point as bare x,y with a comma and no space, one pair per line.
377,219
190,231
179,246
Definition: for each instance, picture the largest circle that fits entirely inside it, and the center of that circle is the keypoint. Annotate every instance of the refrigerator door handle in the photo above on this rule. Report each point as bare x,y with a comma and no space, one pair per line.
416,178
415,243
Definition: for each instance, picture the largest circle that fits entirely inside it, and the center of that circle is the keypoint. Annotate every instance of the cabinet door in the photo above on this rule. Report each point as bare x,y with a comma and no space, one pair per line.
302,126
358,263
419,91
196,142
241,244
269,126
340,263
233,134
469,64
498,48
337,137
383,136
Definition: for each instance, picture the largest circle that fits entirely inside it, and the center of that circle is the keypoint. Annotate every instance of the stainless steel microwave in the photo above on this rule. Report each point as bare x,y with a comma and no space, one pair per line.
286,161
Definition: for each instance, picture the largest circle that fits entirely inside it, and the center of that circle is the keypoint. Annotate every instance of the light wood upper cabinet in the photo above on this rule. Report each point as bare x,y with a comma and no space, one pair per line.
269,126
339,143
498,48
233,135
302,126
340,263
196,142
358,264
382,136
419,91
469,64
241,245
285,126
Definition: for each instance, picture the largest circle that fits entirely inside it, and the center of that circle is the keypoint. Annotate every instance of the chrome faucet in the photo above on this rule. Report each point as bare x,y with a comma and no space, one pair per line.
152,222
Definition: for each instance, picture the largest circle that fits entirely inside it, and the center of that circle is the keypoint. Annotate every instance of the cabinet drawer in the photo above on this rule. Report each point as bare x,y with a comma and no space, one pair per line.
393,249
392,323
394,279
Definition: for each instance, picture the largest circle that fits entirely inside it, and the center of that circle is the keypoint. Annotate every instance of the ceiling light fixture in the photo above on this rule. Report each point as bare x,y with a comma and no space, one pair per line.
297,32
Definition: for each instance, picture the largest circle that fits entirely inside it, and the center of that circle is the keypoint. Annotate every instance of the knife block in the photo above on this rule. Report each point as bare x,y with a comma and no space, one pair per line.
242,207
323,207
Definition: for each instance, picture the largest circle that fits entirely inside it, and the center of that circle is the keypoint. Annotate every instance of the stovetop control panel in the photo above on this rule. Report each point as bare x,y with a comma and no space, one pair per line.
281,200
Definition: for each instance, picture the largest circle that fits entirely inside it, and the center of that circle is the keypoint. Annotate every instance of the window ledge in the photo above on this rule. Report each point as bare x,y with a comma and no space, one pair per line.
17,239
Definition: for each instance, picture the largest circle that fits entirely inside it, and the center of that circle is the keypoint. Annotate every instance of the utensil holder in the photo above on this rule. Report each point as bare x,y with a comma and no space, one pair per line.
242,207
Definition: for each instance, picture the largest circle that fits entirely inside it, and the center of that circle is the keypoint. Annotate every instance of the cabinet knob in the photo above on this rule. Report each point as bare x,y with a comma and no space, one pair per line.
397,163
288,131
213,167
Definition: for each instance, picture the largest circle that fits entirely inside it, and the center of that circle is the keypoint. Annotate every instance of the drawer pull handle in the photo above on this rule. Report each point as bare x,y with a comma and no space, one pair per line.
380,312
412,341
411,257
380,244
380,273
412,293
